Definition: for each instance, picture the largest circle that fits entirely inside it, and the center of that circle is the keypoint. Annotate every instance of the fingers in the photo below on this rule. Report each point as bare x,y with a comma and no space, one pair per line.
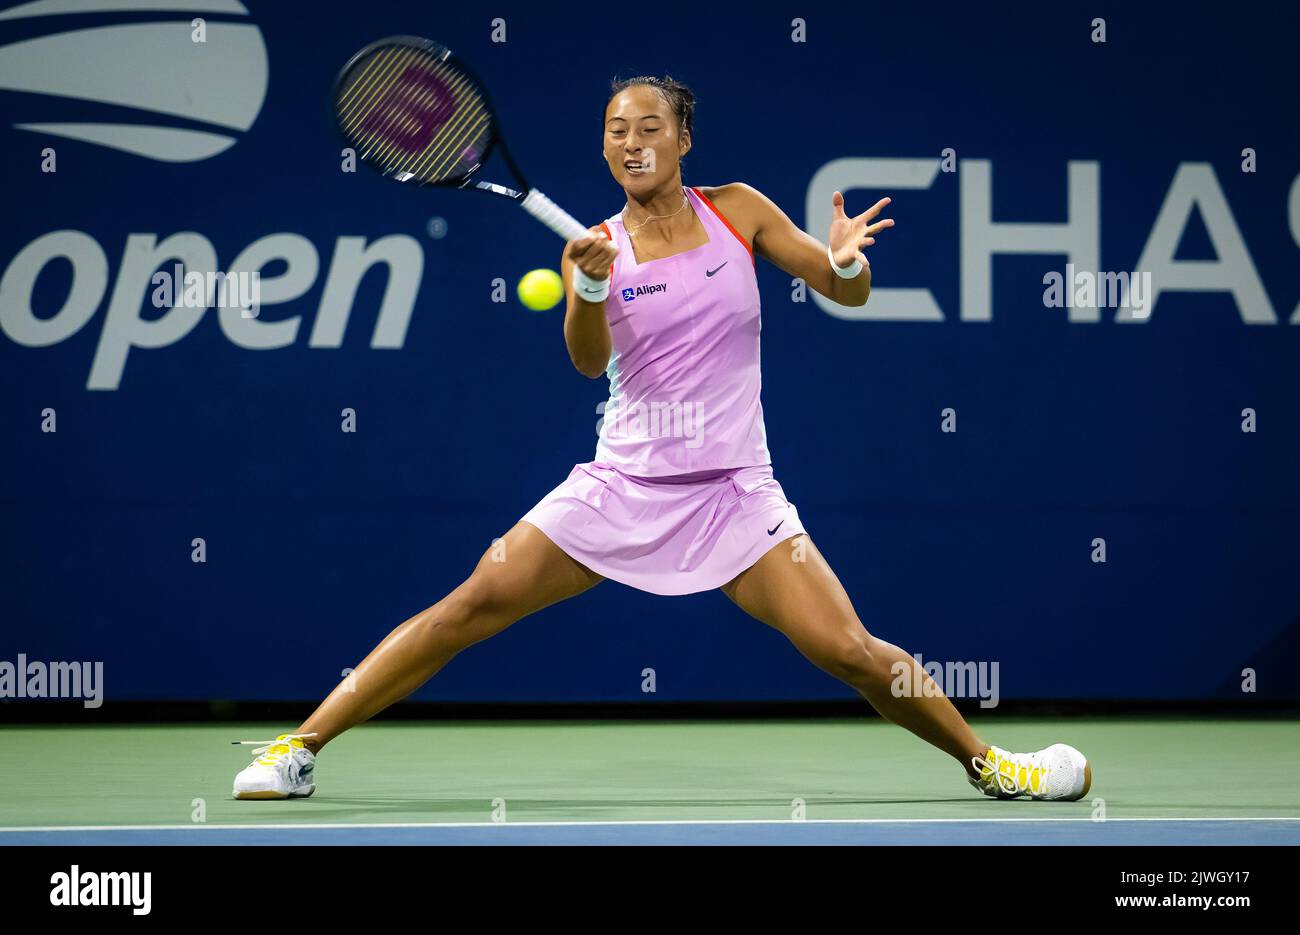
602,252
873,210
580,245
594,252
864,236
593,255
837,206
578,248
599,259
861,228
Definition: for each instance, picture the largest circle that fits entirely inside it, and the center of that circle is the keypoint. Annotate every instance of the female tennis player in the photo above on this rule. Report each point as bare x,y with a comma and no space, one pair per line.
662,298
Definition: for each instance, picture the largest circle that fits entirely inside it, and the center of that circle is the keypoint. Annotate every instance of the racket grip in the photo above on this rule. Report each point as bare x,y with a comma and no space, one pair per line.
553,216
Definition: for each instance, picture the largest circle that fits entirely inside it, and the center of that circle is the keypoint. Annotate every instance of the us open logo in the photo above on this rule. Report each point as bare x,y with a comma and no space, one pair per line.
156,68
160,93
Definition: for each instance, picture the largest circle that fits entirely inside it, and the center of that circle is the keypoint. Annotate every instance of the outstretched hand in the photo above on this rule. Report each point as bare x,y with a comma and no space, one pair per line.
849,236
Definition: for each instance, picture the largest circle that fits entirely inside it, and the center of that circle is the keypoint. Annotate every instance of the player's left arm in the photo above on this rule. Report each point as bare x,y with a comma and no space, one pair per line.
777,239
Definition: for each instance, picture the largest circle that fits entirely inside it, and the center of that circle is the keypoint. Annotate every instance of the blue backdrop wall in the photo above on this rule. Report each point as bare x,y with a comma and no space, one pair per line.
1072,424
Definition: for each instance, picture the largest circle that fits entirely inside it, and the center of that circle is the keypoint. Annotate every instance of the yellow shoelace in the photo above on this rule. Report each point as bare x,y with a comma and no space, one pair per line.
1012,778
273,749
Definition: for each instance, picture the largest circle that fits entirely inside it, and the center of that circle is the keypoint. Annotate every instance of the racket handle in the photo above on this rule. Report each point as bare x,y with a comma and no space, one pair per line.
553,216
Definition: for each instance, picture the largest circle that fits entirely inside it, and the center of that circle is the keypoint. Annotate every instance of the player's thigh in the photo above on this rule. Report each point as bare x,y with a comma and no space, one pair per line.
517,575
793,589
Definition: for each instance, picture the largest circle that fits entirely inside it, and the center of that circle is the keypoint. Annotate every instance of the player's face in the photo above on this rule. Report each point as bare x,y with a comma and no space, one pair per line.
643,146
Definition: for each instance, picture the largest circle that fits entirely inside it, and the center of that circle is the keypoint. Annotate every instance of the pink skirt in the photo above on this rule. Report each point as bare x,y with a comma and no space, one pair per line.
667,535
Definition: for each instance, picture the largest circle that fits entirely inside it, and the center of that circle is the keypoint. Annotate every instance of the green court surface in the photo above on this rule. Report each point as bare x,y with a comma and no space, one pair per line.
850,781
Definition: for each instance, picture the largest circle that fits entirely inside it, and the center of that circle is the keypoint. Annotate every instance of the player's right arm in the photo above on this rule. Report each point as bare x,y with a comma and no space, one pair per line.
586,332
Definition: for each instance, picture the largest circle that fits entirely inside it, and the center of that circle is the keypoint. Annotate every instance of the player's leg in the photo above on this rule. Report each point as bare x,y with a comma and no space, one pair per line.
794,590
520,575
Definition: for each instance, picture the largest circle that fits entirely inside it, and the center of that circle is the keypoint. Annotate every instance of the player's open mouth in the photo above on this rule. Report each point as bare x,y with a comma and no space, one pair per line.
635,168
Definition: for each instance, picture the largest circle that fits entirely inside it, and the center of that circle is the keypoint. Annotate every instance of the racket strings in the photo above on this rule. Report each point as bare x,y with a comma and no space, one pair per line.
471,123
414,115
375,87
378,100
440,157
377,73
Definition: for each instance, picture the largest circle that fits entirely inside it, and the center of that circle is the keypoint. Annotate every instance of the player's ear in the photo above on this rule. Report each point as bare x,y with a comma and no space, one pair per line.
684,143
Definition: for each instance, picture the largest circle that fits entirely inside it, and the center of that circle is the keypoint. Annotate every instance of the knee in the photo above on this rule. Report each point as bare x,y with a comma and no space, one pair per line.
463,613
857,658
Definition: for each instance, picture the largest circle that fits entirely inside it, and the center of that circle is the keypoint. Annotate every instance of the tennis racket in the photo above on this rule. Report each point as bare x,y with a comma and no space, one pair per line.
415,113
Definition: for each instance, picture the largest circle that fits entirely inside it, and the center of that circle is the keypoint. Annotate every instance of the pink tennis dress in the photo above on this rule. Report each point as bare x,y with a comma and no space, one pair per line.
680,497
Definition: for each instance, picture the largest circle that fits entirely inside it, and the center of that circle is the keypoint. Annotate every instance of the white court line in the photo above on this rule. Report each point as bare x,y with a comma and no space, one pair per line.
317,826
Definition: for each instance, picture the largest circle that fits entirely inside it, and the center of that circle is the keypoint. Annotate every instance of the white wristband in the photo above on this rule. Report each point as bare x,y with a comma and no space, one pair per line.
844,272
588,289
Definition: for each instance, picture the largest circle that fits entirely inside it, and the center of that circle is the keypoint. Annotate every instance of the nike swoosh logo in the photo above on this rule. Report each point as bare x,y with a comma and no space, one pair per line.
709,273
585,289
772,531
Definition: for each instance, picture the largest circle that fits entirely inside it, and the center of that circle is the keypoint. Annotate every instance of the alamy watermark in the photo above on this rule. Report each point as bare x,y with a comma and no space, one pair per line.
77,887
953,679
653,419
1086,289
31,679
177,288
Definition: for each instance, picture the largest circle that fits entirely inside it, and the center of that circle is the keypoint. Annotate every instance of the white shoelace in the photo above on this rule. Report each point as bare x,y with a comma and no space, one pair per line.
268,744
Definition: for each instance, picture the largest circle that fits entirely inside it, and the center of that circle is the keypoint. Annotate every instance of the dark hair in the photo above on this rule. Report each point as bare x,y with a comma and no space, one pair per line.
675,94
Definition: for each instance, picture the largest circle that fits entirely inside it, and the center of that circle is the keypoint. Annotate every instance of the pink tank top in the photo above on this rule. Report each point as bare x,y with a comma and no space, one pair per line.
684,372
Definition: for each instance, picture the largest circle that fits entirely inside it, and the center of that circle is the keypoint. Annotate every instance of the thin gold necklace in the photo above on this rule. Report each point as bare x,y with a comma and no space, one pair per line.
654,217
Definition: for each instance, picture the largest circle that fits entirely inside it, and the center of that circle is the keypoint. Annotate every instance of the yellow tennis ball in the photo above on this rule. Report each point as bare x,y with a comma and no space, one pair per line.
541,289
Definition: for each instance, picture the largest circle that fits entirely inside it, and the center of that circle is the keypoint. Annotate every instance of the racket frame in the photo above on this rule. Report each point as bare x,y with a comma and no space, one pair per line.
495,139
530,199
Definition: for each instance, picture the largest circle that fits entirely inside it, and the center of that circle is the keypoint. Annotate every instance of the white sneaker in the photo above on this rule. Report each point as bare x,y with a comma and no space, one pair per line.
283,769
1059,772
